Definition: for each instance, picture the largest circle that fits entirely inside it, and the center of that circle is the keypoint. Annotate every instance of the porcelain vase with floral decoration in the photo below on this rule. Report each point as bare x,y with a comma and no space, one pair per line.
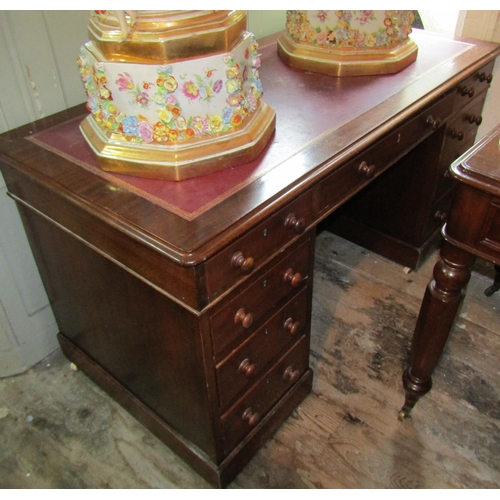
348,42
172,117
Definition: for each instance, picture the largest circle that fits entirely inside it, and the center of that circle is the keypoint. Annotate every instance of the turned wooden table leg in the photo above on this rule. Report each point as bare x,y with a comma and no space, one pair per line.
441,301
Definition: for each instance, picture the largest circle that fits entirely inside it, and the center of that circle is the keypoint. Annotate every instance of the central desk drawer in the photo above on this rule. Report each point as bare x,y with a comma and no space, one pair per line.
249,410
351,177
245,365
242,315
248,253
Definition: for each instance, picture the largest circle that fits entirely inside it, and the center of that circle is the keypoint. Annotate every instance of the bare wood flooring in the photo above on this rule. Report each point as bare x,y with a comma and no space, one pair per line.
58,430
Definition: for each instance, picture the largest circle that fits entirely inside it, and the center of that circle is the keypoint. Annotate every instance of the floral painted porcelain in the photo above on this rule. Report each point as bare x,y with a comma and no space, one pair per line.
350,28
348,42
174,119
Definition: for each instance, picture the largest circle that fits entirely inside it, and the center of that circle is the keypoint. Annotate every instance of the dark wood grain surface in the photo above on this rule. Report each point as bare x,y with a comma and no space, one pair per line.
149,303
354,125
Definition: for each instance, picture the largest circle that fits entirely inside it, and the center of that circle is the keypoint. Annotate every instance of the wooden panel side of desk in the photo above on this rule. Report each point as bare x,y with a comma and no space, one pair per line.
156,349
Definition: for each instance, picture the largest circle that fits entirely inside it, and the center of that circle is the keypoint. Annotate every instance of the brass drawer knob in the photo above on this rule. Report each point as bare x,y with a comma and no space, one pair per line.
295,279
244,264
367,170
251,417
298,224
292,326
246,368
246,319
291,375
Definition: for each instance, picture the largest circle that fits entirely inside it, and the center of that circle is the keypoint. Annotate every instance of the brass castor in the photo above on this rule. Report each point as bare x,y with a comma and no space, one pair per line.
404,413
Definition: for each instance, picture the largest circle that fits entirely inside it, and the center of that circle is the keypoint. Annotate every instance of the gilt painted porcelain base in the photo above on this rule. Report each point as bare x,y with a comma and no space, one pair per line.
348,43
180,160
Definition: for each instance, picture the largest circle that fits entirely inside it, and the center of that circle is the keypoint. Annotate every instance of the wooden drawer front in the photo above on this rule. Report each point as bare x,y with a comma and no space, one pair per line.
248,411
438,214
445,183
237,372
242,316
460,135
248,253
463,127
472,86
452,149
358,172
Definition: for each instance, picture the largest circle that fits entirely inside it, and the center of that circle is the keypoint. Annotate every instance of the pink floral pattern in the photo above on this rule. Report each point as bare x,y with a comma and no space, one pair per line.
190,90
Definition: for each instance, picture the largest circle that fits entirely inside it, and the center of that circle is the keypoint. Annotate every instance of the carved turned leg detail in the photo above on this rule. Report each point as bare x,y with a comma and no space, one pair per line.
441,301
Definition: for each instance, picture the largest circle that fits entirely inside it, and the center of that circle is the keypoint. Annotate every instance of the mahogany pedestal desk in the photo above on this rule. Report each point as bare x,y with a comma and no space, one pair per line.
472,230
190,302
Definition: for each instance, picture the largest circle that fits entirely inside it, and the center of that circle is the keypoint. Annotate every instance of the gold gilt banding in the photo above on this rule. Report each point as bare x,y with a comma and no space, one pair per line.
347,61
168,38
183,160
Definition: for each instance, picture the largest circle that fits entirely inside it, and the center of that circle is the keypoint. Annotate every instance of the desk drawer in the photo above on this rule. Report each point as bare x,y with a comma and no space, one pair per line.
462,127
239,370
460,135
242,316
248,411
248,253
351,177
472,86
438,214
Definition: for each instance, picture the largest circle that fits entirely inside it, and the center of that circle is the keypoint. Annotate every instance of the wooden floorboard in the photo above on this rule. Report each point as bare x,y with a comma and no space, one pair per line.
59,430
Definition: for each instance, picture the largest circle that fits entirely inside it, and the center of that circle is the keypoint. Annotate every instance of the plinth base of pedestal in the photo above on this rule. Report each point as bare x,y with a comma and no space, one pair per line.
347,61
179,160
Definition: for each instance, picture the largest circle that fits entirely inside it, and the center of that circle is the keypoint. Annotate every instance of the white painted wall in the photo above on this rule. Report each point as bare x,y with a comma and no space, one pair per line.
39,77
27,324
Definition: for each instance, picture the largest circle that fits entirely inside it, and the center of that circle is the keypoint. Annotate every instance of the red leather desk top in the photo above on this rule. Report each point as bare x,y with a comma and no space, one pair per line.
308,106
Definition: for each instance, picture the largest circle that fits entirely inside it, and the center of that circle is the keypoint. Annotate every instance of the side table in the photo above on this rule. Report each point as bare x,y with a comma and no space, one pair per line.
472,230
